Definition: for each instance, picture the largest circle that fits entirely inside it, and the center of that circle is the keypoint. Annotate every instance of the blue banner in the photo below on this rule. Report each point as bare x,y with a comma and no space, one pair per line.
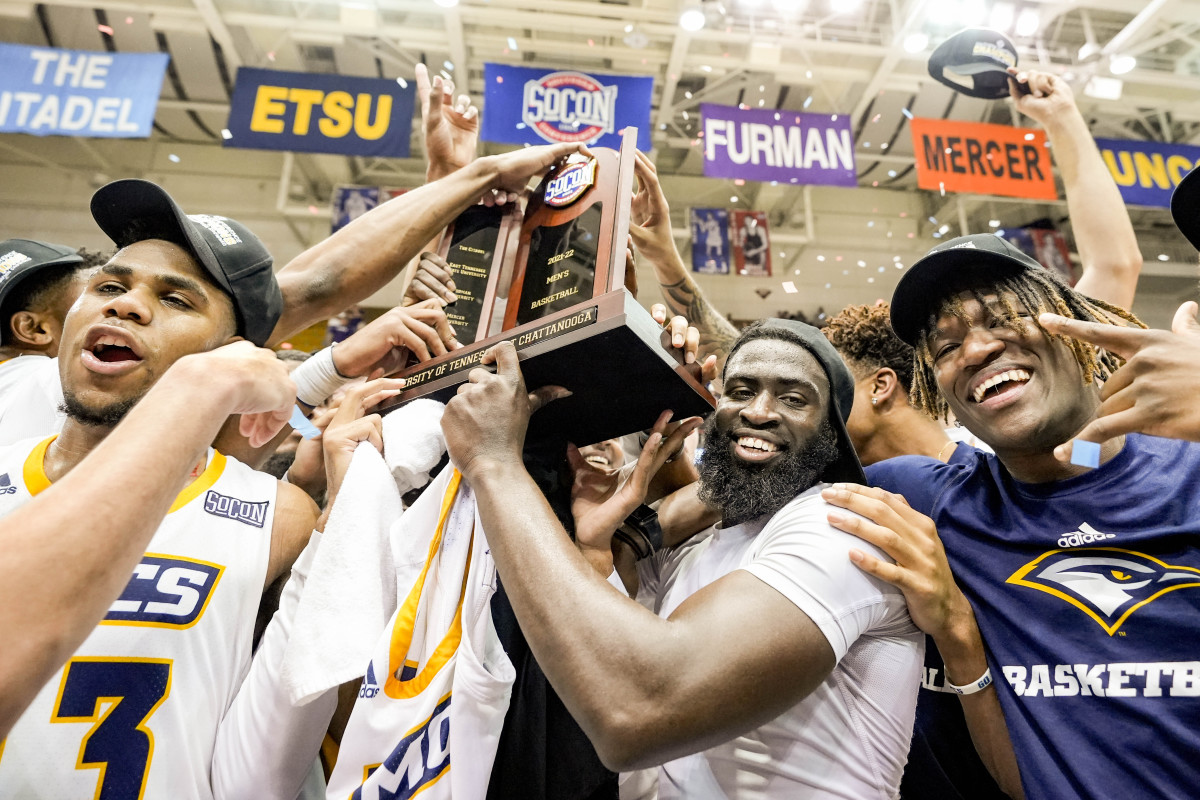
1147,172
710,241
46,91
310,113
538,106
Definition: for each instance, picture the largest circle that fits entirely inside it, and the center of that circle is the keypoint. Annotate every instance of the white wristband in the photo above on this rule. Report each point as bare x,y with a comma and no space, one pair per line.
317,378
979,685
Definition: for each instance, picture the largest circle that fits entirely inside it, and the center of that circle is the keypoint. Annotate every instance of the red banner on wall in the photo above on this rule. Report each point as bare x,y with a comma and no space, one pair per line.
751,243
978,158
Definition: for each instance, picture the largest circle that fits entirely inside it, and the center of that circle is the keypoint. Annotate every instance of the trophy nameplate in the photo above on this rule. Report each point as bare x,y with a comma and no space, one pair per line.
567,311
474,249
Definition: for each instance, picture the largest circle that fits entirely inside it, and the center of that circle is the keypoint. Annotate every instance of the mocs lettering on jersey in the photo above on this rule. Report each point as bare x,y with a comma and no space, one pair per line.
1150,679
165,592
569,107
1106,583
419,759
237,510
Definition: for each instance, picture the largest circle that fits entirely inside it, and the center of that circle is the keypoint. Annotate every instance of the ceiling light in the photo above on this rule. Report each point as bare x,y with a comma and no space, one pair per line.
916,42
1119,65
1028,22
995,223
1001,17
1163,257
972,12
733,199
692,19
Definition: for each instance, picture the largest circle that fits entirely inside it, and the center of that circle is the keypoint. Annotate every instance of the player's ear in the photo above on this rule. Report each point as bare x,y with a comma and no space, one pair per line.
29,329
885,384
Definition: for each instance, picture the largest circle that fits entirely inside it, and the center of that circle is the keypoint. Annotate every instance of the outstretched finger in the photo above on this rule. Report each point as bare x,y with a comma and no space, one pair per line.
879,506
1184,322
891,540
1124,342
424,89
884,570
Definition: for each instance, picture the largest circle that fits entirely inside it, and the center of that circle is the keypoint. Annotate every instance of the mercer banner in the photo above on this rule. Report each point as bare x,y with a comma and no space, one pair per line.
538,106
46,91
979,158
1147,172
785,146
311,113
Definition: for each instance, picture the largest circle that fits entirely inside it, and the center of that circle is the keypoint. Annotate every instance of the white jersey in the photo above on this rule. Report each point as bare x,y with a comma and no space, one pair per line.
30,394
135,712
849,738
438,684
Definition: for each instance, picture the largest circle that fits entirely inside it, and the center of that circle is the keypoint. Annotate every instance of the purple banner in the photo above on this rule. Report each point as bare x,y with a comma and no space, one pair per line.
785,146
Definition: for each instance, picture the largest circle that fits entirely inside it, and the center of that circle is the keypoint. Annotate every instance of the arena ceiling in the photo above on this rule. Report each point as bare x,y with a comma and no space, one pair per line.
833,56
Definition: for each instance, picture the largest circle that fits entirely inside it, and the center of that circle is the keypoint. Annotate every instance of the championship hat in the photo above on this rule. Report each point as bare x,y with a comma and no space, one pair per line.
133,210
846,468
20,258
1185,207
977,60
959,262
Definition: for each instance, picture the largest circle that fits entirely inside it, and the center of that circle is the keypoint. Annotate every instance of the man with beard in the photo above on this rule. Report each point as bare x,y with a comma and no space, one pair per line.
773,667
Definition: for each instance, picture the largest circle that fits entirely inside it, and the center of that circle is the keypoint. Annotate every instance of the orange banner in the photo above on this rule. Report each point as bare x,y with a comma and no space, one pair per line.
978,158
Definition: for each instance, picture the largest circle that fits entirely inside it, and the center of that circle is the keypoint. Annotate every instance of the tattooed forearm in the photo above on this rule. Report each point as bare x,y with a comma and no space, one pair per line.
717,334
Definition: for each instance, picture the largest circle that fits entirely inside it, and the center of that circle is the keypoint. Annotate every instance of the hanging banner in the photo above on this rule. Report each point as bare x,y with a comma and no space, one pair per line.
978,158
1048,247
348,203
710,241
1147,172
784,146
311,113
46,91
539,106
751,243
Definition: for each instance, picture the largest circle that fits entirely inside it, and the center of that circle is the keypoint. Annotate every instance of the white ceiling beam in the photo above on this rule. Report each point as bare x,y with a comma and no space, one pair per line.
895,53
1143,19
216,28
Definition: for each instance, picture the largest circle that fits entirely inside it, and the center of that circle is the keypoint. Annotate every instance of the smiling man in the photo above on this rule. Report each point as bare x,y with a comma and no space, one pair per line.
767,644
1079,577
136,709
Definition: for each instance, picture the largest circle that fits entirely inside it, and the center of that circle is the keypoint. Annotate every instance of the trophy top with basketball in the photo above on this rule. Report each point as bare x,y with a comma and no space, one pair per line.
552,281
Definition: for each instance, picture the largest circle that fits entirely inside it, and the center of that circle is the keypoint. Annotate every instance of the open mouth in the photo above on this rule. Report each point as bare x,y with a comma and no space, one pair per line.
1000,384
110,352
760,445
598,460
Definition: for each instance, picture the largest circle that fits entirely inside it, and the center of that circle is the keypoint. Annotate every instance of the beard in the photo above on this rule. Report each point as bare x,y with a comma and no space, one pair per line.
103,417
743,491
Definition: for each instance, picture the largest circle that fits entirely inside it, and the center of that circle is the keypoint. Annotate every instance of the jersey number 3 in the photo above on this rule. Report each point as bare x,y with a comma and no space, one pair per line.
118,695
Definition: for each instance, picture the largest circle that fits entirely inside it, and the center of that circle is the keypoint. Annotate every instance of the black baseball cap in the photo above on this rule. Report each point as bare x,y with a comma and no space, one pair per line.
846,468
1185,207
20,258
957,264
979,58
133,210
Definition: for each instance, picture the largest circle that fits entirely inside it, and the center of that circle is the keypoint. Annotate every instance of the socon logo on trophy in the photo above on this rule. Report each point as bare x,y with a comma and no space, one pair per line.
570,183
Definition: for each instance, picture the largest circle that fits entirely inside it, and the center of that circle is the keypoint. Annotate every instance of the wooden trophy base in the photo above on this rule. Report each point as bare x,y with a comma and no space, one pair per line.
609,352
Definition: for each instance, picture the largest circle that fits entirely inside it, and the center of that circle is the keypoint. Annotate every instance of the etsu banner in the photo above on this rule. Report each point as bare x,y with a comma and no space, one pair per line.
311,113
1147,172
47,91
537,106
785,146
980,158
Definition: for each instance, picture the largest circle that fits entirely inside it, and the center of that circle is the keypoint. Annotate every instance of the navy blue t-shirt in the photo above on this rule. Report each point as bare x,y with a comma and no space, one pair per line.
1087,592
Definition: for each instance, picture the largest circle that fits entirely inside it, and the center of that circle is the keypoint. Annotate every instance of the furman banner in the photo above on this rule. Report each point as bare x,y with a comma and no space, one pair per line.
311,113
46,91
785,146
1147,172
538,106
979,158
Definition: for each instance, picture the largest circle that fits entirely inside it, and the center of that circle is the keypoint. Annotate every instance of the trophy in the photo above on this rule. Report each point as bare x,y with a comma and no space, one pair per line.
552,281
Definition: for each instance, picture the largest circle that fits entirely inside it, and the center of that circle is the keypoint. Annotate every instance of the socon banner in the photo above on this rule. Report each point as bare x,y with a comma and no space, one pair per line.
785,146
537,106
980,158
1147,172
46,91
312,113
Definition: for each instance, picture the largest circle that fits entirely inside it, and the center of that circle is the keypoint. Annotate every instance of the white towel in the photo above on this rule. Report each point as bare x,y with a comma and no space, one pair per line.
351,590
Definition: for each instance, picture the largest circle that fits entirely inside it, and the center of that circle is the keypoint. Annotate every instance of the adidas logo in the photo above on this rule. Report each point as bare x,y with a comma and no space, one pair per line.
1085,535
370,687
6,486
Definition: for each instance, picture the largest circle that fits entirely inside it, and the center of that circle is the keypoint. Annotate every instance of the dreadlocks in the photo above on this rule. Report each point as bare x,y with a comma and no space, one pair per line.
1027,292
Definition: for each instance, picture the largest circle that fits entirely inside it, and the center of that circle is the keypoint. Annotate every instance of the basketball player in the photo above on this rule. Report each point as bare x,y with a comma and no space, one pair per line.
136,709
68,552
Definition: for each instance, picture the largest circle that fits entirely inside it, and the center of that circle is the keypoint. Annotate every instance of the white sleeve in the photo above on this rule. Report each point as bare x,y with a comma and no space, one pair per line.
265,745
807,560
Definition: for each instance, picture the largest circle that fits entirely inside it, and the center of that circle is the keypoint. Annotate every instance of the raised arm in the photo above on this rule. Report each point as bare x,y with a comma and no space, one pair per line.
69,552
650,227
644,689
1104,234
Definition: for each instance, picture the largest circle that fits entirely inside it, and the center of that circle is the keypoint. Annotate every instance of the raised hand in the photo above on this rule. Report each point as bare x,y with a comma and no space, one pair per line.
1039,95
383,346
432,281
259,386
451,125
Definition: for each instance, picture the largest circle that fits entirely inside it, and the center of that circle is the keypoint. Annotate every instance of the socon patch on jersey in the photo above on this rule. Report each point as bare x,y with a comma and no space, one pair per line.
220,505
165,592
570,183
569,107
